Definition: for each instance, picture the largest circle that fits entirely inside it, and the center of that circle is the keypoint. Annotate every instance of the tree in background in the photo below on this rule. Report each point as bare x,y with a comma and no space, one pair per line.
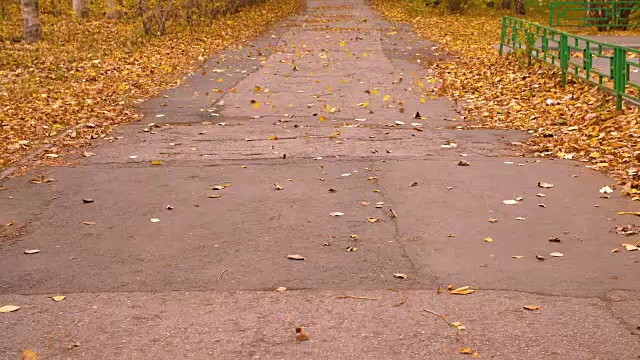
520,7
81,8
112,9
31,20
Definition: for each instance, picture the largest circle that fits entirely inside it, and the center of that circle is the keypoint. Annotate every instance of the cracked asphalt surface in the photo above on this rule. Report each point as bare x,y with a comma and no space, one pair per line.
199,284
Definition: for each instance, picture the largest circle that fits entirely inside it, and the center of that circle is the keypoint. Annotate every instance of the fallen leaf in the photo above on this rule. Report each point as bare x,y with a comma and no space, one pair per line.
336,213
216,196
630,247
493,220
58,298
278,186
400,275
517,256
509,202
34,251
413,184
154,220
272,138
636,213
465,290
545,185
302,335
556,254
87,201
281,289
465,350
28,354
488,239
372,220
296,257
393,213
554,239
9,308
532,307
89,222
156,162
463,163
364,203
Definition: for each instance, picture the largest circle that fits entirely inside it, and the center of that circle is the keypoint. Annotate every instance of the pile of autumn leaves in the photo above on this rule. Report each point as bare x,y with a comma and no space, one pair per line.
577,122
87,74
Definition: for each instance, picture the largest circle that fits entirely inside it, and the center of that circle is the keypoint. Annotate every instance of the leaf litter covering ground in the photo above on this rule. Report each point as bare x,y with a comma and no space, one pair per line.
90,73
578,122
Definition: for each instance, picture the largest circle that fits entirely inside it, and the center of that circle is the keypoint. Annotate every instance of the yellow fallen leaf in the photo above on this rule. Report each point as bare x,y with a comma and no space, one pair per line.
517,256
465,350
488,239
386,98
58,298
28,354
213,196
9,308
156,162
465,290
256,105
322,118
532,307
636,213
342,43
272,138
372,220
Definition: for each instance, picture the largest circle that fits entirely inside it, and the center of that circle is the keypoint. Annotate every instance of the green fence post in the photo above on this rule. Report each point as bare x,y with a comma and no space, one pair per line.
551,6
619,74
564,57
503,34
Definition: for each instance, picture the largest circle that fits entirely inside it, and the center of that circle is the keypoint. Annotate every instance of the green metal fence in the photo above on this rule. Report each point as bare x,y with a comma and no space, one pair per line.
605,15
613,68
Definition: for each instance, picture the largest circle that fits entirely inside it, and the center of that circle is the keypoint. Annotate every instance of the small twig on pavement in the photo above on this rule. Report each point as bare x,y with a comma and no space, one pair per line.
225,270
435,313
356,297
576,236
402,302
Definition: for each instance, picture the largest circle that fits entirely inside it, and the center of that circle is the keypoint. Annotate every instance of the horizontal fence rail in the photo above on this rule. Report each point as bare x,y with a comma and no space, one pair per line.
605,15
613,68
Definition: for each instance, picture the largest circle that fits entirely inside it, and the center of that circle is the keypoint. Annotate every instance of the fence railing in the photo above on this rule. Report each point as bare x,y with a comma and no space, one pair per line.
613,68
605,15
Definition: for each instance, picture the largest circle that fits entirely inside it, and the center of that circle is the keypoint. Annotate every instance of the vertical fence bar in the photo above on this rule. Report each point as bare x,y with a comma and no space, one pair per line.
551,7
619,74
564,57
503,35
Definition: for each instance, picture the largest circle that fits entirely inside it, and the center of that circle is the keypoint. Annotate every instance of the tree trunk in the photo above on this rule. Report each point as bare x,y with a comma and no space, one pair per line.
81,8
506,4
31,20
520,7
454,5
112,9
